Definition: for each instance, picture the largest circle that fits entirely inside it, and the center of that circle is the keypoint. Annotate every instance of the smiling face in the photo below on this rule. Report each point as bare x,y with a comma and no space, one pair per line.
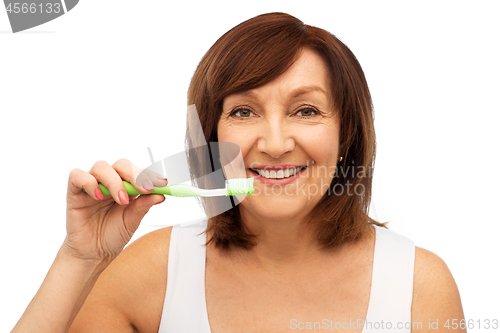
288,133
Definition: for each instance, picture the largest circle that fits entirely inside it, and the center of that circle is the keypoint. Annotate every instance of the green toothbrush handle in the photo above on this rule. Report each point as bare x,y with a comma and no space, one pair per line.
178,190
132,191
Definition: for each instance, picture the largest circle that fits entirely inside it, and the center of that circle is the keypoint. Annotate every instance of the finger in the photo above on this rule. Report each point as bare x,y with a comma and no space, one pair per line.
143,180
138,208
153,177
79,179
105,174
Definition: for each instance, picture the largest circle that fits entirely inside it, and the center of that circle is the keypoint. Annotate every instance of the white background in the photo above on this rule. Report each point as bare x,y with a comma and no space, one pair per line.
109,79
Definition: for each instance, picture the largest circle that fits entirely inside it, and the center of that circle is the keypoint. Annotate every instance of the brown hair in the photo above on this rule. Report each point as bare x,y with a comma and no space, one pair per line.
254,53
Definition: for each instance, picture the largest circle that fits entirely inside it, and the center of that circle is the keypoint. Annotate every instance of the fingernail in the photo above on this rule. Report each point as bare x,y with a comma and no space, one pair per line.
147,184
123,197
163,178
98,194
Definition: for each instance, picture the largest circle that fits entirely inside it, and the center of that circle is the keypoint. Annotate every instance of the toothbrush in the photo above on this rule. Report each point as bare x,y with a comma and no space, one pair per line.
238,186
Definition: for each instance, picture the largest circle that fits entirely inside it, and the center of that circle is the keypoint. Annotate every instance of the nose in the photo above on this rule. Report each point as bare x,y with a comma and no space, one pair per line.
276,138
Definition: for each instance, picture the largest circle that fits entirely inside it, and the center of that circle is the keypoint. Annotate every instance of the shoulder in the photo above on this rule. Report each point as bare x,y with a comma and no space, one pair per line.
138,278
435,293
144,260
432,276
148,248
132,288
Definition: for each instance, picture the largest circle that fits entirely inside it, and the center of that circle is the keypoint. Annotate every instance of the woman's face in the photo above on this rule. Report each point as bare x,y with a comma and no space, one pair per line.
289,136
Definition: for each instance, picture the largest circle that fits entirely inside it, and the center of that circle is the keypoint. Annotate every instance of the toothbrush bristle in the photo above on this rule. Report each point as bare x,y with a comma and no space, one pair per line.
239,186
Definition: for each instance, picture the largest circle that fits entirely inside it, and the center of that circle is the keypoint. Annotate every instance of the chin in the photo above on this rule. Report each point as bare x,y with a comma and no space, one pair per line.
276,206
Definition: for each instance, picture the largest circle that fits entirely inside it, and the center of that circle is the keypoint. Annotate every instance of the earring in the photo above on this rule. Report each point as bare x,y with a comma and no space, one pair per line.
340,160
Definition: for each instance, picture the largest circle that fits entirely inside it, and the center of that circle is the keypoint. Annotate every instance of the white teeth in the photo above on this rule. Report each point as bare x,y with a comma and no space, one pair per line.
279,174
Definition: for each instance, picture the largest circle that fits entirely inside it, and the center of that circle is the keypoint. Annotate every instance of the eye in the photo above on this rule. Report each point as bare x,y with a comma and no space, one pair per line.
307,112
243,113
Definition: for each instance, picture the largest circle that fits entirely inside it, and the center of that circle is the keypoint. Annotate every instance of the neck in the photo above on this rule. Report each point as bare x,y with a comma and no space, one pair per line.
283,242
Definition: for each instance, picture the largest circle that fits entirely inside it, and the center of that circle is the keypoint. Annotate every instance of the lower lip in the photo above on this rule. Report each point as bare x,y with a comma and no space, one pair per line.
277,181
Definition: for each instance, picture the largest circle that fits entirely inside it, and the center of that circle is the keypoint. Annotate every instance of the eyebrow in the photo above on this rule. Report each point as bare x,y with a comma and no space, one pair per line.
305,90
296,93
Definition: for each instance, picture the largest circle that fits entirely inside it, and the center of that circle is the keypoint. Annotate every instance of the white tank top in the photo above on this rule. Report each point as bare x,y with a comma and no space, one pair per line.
185,310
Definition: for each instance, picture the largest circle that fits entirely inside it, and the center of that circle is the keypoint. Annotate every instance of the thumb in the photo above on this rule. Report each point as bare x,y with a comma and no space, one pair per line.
139,207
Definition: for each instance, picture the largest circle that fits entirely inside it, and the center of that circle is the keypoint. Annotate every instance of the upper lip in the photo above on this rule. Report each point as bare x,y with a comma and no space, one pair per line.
277,167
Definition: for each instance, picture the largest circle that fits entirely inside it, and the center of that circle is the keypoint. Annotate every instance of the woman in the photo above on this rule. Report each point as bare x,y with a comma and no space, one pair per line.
301,253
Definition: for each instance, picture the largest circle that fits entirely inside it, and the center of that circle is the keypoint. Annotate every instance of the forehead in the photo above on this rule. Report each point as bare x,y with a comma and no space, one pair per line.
308,75
309,66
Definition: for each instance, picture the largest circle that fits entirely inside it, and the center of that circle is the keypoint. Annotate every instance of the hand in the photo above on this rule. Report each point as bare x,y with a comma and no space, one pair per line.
98,227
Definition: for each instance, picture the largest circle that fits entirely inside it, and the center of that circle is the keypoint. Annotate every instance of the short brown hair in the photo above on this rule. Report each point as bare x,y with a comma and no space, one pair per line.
254,53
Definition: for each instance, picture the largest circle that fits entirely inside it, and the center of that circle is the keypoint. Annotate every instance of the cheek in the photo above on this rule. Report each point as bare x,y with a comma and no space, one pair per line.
234,134
321,143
